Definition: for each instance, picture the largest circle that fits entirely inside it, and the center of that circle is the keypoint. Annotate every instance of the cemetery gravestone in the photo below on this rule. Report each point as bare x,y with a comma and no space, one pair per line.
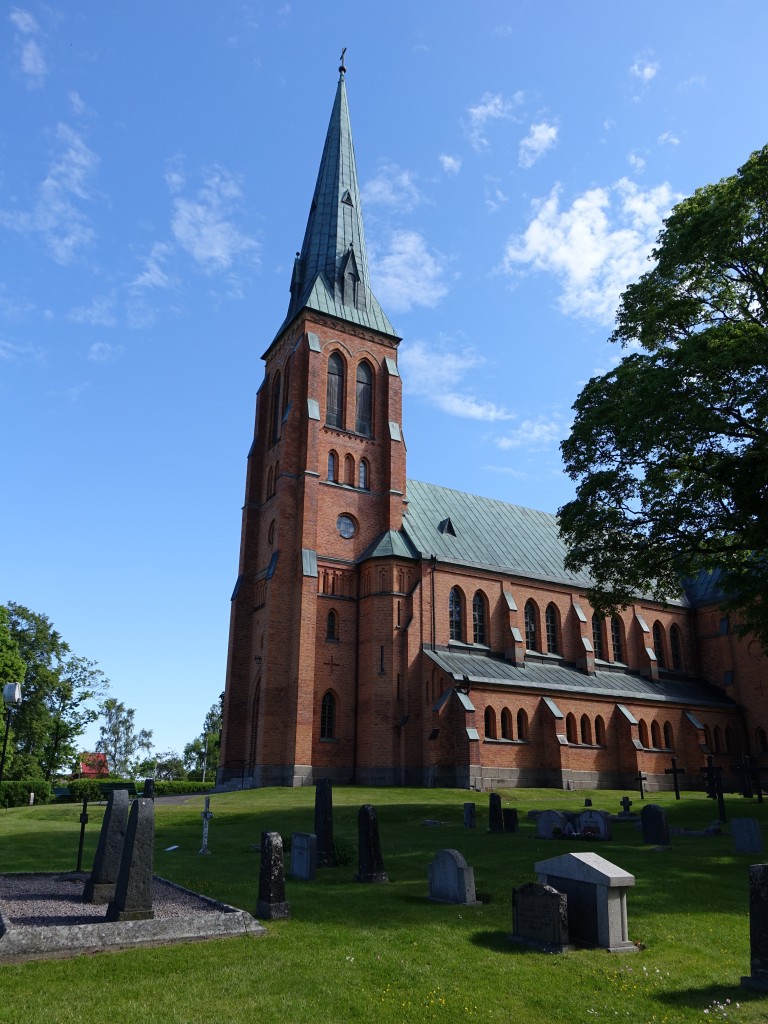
597,898
133,892
758,928
326,851
495,817
303,855
469,815
100,887
653,822
596,824
272,904
746,834
370,863
509,815
548,822
451,879
540,917
206,815
149,789
626,803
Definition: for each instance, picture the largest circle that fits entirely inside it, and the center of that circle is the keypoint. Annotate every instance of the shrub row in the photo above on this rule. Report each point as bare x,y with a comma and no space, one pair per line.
90,789
16,794
179,788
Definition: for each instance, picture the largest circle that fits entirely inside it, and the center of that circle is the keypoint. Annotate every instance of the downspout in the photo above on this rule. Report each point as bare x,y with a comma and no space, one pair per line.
353,780
433,563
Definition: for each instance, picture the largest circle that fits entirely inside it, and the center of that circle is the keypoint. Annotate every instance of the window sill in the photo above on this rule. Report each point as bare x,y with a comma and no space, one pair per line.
329,739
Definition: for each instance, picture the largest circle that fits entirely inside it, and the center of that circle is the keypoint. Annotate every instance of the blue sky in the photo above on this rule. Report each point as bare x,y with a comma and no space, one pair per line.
157,161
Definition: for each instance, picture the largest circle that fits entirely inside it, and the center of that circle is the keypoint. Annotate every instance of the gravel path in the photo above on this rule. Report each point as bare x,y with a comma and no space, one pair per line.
44,900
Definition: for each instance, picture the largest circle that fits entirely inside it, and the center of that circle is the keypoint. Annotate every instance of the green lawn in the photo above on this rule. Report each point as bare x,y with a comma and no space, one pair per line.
354,952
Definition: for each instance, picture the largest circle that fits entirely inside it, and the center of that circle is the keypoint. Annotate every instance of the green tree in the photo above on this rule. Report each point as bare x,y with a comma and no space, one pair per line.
59,696
119,740
670,449
170,767
205,750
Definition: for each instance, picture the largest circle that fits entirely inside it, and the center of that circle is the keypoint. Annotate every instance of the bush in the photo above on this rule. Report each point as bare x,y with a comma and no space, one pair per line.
16,794
179,788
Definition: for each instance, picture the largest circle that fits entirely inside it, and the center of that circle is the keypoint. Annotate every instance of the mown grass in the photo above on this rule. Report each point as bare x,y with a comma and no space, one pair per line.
354,952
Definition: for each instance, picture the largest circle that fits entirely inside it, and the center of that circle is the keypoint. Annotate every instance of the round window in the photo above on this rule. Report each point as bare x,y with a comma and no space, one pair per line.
346,526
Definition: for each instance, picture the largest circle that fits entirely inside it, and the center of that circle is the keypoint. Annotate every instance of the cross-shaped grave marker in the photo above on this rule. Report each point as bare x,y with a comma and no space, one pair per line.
626,803
714,784
206,815
641,779
674,771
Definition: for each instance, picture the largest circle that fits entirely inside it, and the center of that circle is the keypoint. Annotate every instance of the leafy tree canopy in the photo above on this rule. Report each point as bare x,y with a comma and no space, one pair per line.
670,449
203,753
120,741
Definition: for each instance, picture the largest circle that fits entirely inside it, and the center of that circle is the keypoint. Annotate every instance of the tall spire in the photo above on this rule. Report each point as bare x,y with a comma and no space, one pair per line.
330,274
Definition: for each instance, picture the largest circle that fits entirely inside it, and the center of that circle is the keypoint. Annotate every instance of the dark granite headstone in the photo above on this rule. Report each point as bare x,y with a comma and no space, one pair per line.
272,903
326,851
540,917
746,834
758,928
495,817
133,893
303,855
451,879
653,821
469,815
149,789
100,887
370,863
549,824
509,816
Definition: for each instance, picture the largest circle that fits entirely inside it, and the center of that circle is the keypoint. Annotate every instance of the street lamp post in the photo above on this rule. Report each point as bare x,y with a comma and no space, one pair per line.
12,699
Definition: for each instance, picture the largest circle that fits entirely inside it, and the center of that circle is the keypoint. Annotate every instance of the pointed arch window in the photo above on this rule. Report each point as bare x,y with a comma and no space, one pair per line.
490,724
617,640
478,618
276,410
599,731
332,626
529,615
333,467
349,470
668,738
643,731
522,725
656,735
455,614
658,643
506,724
334,409
597,636
718,737
676,648
586,730
328,717
570,729
550,618
364,399
364,476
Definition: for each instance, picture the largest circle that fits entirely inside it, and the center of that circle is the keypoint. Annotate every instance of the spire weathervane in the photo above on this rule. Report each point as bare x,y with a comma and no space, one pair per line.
342,69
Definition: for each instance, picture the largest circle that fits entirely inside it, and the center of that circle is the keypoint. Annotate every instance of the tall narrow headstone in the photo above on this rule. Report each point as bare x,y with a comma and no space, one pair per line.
370,862
469,815
100,886
206,815
149,789
133,893
326,851
495,817
303,855
272,903
758,928
509,817
653,821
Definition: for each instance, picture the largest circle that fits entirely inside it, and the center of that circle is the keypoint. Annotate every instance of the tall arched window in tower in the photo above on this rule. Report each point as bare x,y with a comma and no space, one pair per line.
364,476
333,467
676,648
658,643
328,717
349,470
553,641
478,618
597,635
276,410
364,399
334,407
617,638
455,614
332,626
529,614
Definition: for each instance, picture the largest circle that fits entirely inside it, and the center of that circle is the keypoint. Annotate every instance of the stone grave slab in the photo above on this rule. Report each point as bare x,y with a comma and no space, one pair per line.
495,817
133,890
549,821
653,821
746,835
509,816
326,849
540,917
303,855
272,903
451,879
596,824
100,885
370,862
597,898
469,815
758,929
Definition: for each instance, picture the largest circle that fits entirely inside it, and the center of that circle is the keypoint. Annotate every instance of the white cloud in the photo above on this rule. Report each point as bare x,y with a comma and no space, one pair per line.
56,216
451,164
393,186
204,225
541,137
494,198
101,352
636,162
407,274
76,102
154,275
439,375
596,247
11,352
98,314
31,56
536,434
668,138
492,107
645,69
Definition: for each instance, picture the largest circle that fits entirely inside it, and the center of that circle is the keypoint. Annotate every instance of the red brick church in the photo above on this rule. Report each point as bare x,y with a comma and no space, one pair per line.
386,631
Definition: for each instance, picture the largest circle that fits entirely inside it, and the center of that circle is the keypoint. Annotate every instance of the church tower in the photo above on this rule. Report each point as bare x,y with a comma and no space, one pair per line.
325,492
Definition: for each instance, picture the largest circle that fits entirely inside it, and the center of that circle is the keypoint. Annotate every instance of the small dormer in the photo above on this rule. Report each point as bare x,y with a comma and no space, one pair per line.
446,526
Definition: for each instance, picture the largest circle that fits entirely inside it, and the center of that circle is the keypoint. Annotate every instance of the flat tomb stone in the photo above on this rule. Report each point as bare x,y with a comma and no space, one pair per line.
746,835
451,879
540,917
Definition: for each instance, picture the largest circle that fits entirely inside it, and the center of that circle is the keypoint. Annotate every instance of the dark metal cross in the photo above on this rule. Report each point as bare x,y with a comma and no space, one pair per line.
714,784
744,767
674,771
626,803
640,778
83,823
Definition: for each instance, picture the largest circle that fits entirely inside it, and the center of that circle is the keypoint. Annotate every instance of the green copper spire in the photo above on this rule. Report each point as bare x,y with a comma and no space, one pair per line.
330,273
